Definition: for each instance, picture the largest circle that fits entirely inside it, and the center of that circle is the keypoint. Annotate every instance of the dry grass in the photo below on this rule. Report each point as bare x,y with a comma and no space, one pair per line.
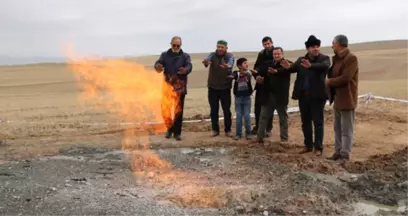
41,100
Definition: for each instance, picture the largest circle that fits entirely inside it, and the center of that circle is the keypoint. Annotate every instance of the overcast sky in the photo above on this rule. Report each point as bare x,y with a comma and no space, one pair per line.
136,27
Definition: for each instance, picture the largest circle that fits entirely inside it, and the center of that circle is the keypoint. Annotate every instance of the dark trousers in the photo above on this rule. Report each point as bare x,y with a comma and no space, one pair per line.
216,96
312,111
258,105
172,107
267,112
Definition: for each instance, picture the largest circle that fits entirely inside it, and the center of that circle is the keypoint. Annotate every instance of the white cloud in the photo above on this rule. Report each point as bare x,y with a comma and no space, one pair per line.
128,27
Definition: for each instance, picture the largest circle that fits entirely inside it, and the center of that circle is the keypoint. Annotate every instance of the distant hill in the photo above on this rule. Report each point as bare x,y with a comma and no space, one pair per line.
8,60
365,46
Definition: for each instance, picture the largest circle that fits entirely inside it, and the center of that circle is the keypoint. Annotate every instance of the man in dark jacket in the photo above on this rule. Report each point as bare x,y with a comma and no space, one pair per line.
264,56
177,65
310,90
275,95
219,84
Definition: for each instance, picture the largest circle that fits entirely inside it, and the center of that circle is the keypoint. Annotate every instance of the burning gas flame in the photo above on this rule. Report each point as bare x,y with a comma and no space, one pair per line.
135,94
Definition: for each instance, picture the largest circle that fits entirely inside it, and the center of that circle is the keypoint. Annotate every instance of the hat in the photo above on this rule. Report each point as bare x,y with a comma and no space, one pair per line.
223,42
312,41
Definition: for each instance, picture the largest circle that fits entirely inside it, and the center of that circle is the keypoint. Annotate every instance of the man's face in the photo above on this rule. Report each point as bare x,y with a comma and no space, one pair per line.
335,46
314,50
277,55
268,45
221,49
244,65
176,45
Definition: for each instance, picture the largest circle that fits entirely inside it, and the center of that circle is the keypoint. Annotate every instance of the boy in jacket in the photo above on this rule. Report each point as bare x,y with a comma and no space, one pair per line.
242,92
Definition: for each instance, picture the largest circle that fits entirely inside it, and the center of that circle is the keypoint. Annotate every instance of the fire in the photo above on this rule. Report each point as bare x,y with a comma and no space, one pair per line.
133,93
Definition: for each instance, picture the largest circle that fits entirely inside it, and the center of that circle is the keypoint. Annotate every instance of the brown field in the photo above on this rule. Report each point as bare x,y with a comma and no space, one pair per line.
41,100
43,112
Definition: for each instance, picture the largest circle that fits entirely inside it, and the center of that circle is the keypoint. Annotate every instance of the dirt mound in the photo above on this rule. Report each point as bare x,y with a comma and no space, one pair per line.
384,177
380,162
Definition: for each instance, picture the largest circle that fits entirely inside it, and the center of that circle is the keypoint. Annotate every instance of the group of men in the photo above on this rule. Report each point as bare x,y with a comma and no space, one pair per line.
317,81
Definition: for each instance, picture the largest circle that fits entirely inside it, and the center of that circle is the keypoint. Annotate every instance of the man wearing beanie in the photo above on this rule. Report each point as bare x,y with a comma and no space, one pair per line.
344,80
310,90
219,84
264,57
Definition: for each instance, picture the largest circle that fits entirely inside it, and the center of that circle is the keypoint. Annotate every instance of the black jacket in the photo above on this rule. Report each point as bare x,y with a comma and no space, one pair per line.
248,92
264,56
171,63
278,83
317,76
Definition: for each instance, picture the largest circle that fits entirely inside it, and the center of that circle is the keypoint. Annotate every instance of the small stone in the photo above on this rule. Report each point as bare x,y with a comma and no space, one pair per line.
208,150
304,211
240,209
403,184
265,213
53,188
150,174
68,185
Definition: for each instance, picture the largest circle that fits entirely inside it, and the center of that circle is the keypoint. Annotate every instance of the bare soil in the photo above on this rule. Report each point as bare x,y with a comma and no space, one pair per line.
213,176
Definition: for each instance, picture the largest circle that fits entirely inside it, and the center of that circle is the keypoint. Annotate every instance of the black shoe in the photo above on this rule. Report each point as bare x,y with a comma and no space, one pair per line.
346,158
177,137
334,157
318,152
215,133
168,134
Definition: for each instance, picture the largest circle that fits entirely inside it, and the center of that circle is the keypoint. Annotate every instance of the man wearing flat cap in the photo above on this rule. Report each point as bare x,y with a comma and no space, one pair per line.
343,81
310,90
219,84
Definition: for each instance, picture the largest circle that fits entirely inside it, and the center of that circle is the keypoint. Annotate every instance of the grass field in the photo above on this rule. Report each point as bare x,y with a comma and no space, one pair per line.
42,100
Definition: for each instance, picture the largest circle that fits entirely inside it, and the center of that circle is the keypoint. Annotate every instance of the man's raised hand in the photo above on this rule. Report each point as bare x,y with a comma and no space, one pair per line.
159,68
260,80
206,62
225,66
182,71
272,70
285,64
305,63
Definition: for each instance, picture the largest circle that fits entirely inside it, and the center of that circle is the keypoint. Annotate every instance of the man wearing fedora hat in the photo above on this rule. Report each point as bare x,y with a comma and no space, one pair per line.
310,90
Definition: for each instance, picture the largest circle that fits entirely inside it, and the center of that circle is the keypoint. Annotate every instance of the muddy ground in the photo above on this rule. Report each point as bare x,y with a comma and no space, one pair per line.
213,176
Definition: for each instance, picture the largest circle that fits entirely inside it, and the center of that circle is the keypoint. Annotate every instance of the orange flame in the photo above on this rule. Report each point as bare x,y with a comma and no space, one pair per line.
133,93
